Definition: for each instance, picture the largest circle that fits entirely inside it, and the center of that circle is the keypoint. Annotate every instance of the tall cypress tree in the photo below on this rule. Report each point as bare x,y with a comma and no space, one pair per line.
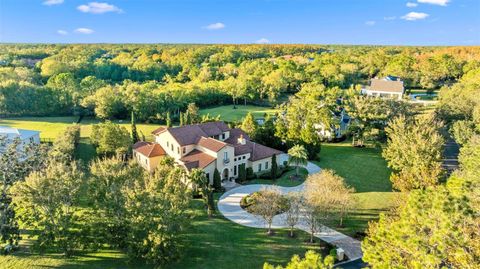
242,173
169,120
134,129
181,119
274,168
217,181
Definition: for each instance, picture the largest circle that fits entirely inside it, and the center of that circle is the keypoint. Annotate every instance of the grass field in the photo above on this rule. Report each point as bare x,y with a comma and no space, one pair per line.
208,243
51,127
366,171
362,168
227,113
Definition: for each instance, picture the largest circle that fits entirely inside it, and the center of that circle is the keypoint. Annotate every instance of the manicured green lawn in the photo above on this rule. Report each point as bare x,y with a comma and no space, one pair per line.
219,243
284,180
366,171
208,243
362,168
103,259
227,113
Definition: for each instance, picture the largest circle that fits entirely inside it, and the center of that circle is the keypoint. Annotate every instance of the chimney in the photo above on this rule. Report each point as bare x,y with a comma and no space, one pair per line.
241,140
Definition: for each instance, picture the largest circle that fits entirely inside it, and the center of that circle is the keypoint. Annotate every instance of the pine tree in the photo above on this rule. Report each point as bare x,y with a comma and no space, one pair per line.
193,114
274,168
134,129
217,181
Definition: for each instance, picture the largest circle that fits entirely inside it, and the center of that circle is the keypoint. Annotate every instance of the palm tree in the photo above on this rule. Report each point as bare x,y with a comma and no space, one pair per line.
297,155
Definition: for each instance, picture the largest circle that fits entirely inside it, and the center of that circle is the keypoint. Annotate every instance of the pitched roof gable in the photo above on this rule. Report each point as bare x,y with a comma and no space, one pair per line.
197,159
191,134
187,135
211,144
148,149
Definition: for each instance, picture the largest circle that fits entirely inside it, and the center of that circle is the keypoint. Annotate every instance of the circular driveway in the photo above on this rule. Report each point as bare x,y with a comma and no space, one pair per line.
229,206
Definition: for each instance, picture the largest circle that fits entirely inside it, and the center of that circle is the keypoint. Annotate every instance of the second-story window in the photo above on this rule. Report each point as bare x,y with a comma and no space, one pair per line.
178,150
184,150
259,167
223,136
266,165
225,155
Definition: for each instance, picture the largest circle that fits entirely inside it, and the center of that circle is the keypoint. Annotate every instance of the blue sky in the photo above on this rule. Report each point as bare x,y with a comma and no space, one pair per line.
389,22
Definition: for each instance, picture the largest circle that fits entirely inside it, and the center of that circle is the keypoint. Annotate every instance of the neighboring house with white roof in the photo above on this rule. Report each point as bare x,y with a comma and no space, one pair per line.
24,136
335,130
207,146
387,87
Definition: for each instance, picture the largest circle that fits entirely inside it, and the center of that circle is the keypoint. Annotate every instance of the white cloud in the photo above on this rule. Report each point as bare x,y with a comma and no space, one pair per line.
85,31
62,32
434,2
413,16
391,18
52,2
215,26
99,8
410,4
262,41
370,23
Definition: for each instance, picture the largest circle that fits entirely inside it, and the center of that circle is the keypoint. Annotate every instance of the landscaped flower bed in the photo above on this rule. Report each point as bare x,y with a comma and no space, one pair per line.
248,201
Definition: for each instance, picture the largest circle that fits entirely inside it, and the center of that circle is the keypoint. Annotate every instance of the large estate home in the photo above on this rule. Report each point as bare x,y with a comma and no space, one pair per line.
207,146
387,87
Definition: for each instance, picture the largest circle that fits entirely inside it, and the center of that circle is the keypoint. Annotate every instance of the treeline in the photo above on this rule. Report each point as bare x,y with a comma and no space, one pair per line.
110,81
437,221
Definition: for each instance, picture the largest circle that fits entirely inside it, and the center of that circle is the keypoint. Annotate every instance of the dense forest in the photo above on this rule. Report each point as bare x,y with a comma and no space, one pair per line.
111,81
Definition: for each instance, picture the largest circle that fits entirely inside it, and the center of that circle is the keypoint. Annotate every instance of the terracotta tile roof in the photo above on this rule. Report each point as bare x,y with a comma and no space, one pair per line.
191,134
159,130
386,85
211,144
187,135
148,149
235,133
261,152
240,149
197,159
214,128
257,151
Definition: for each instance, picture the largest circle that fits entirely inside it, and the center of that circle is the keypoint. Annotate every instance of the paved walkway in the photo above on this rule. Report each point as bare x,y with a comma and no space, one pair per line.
229,206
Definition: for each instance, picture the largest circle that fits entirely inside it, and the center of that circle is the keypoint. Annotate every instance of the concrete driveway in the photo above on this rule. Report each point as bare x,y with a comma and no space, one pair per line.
229,206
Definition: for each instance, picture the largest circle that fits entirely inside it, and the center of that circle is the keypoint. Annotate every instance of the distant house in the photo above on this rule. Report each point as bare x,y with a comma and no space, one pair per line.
24,136
387,87
207,146
336,130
